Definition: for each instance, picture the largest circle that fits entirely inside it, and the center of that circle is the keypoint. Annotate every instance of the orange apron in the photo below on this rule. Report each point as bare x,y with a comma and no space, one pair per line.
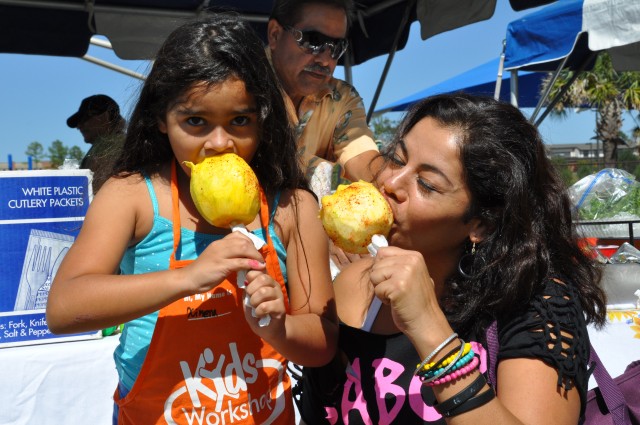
204,364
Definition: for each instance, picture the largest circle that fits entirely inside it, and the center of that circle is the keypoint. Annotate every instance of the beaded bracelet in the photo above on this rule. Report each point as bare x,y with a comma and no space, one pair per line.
446,360
463,361
446,369
436,351
451,353
457,365
457,374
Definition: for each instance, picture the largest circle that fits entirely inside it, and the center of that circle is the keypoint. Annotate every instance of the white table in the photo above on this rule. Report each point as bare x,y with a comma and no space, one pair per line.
618,344
58,383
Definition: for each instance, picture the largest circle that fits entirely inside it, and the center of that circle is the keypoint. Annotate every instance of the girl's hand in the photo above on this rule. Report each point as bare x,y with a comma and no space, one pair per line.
401,280
265,297
230,254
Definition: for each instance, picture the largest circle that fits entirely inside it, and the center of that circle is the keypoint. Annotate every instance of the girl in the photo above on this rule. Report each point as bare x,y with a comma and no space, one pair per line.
482,235
191,352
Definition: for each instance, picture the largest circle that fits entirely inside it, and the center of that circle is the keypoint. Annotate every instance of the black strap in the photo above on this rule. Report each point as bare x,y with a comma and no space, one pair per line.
446,407
472,403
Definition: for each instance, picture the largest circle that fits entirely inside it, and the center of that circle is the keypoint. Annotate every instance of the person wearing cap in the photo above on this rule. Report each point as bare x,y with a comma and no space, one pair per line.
306,38
102,126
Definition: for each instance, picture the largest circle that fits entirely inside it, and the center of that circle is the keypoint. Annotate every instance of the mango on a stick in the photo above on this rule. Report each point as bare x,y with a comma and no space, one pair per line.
353,214
225,190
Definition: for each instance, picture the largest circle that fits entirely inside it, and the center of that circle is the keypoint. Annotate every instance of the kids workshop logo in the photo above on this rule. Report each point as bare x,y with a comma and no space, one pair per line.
217,390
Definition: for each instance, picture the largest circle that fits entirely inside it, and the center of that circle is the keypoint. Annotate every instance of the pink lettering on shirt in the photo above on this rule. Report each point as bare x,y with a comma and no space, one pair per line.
359,404
385,385
386,372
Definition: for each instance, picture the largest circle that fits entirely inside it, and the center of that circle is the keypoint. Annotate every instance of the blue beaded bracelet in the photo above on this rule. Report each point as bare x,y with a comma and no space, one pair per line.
464,360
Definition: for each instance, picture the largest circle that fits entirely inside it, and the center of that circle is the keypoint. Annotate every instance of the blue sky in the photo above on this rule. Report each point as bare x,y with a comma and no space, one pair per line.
38,93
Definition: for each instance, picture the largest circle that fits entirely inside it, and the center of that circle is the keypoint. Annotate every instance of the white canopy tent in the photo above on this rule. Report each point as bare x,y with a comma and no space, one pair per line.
568,35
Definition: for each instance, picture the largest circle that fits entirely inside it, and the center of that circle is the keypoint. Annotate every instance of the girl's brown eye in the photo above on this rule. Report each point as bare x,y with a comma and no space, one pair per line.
241,121
195,121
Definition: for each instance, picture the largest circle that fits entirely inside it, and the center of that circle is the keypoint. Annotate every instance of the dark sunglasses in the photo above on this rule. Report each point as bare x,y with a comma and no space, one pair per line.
314,42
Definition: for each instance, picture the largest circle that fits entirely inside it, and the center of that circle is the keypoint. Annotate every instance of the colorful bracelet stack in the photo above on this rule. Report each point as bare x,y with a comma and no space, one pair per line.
434,353
457,363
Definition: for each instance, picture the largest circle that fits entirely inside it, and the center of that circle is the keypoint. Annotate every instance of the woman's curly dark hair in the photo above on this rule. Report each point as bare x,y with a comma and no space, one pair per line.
521,200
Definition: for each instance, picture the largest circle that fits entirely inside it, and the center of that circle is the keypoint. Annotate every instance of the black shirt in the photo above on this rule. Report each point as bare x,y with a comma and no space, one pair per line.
371,380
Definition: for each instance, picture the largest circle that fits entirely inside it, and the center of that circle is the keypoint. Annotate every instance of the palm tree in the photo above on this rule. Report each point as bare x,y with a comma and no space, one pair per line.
608,91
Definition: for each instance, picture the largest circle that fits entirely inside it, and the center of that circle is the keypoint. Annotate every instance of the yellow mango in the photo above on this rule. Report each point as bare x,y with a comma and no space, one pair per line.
225,190
353,214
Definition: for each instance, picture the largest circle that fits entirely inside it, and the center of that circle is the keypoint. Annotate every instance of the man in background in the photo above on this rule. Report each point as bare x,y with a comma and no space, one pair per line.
306,38
102,126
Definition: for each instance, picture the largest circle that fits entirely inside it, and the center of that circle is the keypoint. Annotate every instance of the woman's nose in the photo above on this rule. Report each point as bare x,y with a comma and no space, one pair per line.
392,182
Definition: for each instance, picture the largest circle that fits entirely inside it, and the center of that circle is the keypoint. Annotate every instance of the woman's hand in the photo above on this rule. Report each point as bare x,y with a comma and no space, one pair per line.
400,279
230,254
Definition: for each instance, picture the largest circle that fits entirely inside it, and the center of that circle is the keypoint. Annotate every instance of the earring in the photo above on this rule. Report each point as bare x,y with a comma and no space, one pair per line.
466,263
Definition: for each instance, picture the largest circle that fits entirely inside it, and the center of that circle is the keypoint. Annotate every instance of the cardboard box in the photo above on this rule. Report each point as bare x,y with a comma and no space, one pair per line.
41,213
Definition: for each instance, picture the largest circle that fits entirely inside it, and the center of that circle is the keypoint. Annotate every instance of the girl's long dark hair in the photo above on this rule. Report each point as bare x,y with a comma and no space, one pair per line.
210,51
519,196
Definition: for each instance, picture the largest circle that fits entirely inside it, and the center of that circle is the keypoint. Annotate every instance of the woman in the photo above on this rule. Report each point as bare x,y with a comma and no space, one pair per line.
482,234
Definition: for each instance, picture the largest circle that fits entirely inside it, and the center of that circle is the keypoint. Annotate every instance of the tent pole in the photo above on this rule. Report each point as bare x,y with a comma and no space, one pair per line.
514,88
348,74
392,53
113,67
545,95
556,99
564,89
100,43
496,93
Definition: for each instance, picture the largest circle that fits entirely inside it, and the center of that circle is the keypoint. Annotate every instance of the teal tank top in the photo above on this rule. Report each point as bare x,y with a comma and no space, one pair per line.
152,254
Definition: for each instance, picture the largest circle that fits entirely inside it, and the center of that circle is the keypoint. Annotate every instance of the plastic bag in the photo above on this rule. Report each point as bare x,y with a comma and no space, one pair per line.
609,195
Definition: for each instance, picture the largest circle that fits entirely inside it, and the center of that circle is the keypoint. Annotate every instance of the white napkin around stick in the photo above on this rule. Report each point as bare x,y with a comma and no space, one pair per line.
242,274
377,241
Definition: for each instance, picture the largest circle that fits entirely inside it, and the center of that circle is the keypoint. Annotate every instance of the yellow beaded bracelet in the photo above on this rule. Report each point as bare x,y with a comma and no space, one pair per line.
445,362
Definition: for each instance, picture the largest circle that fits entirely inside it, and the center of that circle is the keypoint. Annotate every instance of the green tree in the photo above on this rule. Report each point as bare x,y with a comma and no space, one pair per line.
384,129
636,172
608,91
57,153
36,151
567,176
585,168
76,153
627,160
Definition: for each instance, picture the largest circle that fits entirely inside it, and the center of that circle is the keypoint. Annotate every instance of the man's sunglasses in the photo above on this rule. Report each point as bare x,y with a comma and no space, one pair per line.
314,42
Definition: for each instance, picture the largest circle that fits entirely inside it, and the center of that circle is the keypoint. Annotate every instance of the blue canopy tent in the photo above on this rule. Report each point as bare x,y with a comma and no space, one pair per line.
480,80
568,34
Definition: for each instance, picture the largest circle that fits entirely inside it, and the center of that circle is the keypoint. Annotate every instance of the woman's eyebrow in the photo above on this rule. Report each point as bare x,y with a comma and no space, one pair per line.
433,169
425,166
